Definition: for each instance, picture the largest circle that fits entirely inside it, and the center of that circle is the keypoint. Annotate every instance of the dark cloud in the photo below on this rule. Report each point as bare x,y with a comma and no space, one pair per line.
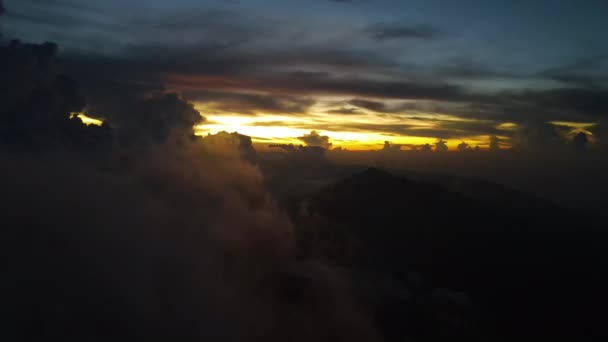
297,88
384,31
445,129
243,103
587,102
468,68
38,101
344,111
58,4
205,66
349,59
573,104
224,74
470,127
541,136
222,28
441,107
589,72
494,143
377,88
367,104
50,18
562,103
310,74
314,139
390,129
38,105
353,86
150,119
580,142
81,25
223,54
217,61
400,108
230,42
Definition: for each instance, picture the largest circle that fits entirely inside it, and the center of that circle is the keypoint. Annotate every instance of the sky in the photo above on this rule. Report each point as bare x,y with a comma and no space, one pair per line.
359,72
122,225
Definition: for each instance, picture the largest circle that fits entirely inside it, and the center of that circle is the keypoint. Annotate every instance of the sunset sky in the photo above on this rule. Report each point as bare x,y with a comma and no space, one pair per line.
358,71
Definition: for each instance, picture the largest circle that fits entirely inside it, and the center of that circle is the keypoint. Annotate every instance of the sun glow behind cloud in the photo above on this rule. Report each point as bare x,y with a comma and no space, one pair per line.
250,126
354,124
346,132
87,120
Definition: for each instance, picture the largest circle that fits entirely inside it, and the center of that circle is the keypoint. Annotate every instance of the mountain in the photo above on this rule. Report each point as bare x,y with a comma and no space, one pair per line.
529,268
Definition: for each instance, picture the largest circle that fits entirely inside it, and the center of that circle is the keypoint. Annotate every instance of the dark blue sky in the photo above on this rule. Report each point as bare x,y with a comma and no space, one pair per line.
492,61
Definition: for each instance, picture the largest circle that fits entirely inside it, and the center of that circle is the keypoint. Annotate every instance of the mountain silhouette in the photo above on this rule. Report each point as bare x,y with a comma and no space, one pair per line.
514,255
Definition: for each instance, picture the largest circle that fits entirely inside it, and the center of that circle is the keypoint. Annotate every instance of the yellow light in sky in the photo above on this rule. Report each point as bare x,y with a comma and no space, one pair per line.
359,130
254,127
578,127
277,129
87,120
507,126
581,126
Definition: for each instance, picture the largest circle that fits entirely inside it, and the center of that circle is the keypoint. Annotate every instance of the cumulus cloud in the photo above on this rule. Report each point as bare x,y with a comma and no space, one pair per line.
178,239
231,145
314,139
541,136
146,120
175,242
38,100
161,236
